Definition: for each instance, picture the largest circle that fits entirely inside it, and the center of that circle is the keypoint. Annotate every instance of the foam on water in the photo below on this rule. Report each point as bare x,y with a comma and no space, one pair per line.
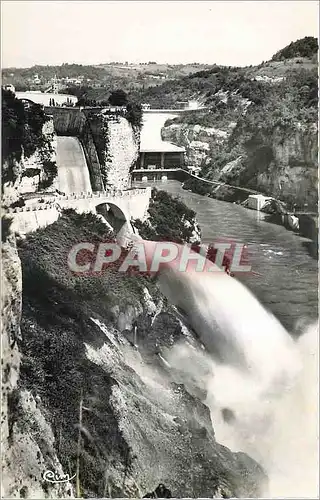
268,381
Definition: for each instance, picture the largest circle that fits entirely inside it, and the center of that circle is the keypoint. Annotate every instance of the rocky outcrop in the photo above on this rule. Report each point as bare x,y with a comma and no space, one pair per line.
293,172
30,173
281,163
122,152
11,297
27,441
198,141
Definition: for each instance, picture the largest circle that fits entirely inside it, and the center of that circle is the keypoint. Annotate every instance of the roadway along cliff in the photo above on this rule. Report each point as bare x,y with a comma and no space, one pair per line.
73,173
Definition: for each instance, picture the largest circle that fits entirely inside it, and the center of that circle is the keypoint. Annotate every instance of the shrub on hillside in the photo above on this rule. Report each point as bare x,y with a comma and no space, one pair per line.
169,219
118,98
305,47
196,186
134,114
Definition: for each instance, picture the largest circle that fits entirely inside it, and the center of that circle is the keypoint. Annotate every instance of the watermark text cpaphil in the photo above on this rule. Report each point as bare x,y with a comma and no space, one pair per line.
87,258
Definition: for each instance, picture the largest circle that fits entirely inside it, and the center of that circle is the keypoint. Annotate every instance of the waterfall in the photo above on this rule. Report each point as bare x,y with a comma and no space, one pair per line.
262,384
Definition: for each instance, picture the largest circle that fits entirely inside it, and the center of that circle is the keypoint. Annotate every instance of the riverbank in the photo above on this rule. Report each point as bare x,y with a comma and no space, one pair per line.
303,222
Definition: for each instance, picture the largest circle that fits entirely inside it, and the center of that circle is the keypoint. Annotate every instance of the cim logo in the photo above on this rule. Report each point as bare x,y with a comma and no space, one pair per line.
55,477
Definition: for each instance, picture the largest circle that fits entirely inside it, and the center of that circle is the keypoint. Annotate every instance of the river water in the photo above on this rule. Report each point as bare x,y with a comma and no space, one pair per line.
286,282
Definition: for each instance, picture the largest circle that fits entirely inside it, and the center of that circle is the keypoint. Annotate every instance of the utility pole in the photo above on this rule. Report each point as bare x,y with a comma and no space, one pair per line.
79,446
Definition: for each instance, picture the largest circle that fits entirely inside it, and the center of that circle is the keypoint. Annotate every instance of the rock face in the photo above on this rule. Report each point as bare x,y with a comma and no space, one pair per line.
199,141
280,164
293,173
122,153
11,297
110,143
96,347
30,171
26,438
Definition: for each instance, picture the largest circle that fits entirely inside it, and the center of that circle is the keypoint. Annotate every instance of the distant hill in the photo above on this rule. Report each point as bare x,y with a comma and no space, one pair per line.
252,82
104,78
305,47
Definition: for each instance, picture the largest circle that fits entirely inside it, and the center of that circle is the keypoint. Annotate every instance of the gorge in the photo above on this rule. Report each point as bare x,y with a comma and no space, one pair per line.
112,378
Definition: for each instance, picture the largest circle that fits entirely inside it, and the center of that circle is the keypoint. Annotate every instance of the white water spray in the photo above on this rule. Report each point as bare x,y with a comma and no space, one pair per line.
266,380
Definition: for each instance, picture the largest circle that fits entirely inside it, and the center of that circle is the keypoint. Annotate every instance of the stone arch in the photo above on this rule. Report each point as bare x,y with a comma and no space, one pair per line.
117,218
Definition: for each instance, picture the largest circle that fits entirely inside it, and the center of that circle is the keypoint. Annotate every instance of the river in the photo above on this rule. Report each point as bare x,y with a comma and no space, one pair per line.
287,280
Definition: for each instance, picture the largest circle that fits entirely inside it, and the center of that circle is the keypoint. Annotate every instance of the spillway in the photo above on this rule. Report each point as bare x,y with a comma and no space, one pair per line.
73,173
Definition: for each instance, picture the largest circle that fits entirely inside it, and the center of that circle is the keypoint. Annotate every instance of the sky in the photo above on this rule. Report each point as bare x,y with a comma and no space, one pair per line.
93,32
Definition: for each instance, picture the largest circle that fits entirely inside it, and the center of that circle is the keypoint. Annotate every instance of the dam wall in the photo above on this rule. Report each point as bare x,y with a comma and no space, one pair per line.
109,141
67,121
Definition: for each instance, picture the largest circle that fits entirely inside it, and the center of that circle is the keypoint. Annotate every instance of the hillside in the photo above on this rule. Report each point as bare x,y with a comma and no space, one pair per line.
305,47
259,129
98,342
206,82
99,80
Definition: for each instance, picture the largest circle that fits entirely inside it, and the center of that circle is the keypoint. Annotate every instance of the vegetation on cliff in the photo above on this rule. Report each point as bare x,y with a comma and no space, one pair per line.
169,220
270,126
22,136
119,98
55,324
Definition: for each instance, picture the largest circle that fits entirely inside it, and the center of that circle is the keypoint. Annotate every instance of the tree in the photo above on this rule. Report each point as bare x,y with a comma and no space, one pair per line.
134,114
304,47
118,98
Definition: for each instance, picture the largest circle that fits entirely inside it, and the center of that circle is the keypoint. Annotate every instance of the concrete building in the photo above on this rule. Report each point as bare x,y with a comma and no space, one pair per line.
36,79
257,201
163,156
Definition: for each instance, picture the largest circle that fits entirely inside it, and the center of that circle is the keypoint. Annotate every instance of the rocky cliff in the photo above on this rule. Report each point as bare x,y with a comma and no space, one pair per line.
95,386
110,143
122,153
280,163
259,126
35,172
199,141
27,440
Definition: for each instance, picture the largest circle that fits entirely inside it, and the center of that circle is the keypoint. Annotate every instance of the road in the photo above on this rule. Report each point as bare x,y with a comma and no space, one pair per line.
73,173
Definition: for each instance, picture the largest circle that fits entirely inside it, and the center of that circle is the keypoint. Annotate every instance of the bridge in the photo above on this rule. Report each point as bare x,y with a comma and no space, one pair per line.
175,111
45,97
117,208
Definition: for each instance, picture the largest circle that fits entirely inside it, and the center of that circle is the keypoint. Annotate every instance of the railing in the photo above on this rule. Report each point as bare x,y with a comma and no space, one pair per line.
108,195
198,179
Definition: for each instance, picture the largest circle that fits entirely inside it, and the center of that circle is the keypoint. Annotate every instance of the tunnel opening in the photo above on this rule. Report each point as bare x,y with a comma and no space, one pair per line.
113,215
